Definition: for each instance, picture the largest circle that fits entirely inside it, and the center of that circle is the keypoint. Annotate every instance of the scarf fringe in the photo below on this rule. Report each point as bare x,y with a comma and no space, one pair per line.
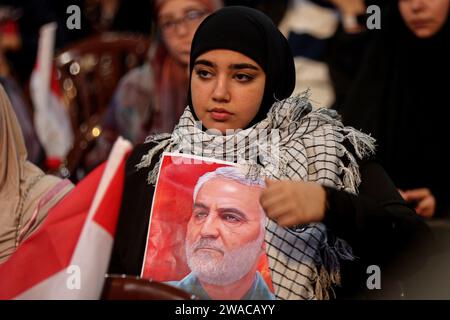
161,142
329,266
364,146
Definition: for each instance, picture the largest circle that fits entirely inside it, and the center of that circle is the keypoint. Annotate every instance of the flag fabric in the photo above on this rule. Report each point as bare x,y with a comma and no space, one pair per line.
68,256
51,117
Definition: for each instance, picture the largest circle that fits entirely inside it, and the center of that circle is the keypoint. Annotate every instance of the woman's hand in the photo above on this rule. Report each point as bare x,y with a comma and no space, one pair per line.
291,203
424,200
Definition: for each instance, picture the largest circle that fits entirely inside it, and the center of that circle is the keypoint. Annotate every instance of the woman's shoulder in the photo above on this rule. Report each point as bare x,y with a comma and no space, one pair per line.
301,110
326,123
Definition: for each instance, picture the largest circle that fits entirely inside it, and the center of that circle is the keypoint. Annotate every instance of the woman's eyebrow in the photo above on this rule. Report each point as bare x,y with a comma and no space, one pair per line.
205,63
234,66
239,66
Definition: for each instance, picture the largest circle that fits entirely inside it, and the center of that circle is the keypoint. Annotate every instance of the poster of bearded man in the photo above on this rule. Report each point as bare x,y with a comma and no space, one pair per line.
206,231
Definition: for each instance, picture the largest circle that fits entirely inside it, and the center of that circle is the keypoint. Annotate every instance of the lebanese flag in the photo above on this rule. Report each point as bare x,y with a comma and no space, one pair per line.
51,117
68,256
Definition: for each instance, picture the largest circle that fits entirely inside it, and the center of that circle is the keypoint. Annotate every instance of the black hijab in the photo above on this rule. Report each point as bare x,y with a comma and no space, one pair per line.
250,32
401,97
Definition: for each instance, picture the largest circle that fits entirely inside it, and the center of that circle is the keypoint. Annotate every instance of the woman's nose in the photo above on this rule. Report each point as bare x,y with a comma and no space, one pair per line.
181,29
221,91
417,5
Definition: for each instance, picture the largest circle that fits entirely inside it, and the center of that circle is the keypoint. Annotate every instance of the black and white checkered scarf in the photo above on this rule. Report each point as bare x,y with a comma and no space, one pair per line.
299,143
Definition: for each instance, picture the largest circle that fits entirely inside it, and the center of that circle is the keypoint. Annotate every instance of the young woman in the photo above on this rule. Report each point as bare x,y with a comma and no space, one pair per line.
241,76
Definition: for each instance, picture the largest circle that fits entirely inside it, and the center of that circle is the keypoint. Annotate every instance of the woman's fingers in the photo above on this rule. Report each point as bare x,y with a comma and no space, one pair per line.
417,194
277,208
274,185
426,207
426,203
293,202
269,199
403,194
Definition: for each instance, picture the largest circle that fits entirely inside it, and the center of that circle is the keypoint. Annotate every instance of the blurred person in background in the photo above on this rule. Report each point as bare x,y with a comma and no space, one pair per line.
23,114
346,47
26,193
308,25
10,42
399,97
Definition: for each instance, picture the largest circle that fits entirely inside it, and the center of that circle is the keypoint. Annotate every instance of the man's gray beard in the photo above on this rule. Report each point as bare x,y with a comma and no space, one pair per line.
234,266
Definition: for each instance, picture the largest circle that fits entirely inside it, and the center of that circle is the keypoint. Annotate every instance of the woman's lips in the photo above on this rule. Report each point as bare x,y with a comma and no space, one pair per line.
220,114
419,24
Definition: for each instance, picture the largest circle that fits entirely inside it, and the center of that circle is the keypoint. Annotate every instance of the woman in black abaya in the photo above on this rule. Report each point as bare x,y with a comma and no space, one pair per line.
401,97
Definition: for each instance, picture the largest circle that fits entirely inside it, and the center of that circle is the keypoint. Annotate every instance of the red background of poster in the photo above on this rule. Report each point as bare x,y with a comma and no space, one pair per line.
165,258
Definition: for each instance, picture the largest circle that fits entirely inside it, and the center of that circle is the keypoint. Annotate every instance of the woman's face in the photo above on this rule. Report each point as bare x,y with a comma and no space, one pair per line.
178,21
424,17
227,89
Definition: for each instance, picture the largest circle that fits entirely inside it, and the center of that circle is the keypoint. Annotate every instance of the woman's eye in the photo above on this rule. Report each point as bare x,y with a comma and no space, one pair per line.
204,74
243,77
167,25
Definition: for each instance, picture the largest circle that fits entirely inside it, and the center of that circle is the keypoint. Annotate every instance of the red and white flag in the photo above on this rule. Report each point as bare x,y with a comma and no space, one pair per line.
51,118
68,256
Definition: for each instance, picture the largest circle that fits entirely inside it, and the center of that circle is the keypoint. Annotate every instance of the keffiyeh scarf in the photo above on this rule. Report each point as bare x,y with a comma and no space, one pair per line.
294,142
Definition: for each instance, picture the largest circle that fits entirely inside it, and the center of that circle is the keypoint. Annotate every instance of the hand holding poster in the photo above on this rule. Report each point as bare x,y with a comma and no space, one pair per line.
206,231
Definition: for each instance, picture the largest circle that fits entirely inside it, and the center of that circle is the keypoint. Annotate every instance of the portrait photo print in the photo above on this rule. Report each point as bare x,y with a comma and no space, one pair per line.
206,230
